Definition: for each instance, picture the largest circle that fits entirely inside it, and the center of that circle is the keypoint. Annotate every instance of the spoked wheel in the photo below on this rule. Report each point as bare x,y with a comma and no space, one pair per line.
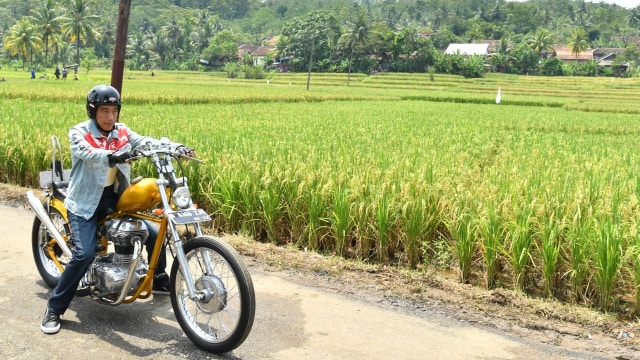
44,247
221,315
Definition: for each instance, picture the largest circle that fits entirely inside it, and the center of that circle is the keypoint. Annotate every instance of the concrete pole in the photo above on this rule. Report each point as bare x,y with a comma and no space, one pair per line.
120,48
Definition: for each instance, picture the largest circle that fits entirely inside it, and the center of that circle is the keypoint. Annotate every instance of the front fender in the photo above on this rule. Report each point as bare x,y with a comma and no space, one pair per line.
58,205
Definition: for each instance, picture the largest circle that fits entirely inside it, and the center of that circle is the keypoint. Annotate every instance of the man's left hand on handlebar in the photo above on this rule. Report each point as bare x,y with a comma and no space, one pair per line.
119,158
186,151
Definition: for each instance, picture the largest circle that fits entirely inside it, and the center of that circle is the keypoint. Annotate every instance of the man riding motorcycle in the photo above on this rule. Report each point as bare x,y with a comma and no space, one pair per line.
100,172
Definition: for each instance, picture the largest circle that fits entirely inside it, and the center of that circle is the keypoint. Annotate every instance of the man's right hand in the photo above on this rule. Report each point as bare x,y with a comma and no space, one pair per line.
119,158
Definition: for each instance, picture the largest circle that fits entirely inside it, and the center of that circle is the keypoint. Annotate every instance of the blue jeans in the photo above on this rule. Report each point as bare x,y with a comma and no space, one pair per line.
84,243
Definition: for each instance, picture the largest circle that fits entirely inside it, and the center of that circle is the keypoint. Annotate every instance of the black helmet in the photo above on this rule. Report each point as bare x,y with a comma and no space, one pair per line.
102,95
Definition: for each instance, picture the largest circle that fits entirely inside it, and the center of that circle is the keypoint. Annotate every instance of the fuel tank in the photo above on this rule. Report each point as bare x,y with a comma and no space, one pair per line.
139,196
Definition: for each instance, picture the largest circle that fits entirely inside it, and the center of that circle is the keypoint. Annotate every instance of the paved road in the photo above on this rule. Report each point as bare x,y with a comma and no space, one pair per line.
292,322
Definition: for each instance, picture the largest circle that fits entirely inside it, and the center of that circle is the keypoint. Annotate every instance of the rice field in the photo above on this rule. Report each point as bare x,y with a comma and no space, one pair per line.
538,194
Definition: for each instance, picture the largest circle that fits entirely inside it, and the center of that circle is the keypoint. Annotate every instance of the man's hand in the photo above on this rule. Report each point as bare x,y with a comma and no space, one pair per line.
119,158
183,150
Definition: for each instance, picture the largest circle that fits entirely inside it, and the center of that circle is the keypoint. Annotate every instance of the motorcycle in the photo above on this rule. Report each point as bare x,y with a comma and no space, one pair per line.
211,290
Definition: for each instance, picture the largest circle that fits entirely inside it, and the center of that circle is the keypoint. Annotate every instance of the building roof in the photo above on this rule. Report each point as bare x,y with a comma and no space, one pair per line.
468,49
563,53
254,50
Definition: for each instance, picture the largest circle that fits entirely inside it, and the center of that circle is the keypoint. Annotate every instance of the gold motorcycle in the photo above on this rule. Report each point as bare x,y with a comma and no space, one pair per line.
211,289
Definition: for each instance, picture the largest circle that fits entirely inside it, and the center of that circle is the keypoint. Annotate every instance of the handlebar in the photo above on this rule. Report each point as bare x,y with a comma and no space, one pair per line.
137,154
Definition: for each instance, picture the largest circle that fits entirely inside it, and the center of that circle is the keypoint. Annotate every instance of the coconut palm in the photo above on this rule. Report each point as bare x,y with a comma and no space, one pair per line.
107,31
47,20
542,41
22,38
357,36
79,24
159,46
173,32
578,41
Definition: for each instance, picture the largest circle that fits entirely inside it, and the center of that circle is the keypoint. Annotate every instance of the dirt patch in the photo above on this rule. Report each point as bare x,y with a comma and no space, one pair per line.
420,293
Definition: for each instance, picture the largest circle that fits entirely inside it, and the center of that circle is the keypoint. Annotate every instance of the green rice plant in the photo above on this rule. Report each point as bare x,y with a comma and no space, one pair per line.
363,230
520,240
315,219
578,254
462,230
270,211
491,233
385,220
608,261
418,221
550,235
634,255
340,219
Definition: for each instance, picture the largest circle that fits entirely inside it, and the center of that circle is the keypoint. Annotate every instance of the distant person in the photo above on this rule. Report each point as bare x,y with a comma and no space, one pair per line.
75,77
57,73
64,73
152,74
33,73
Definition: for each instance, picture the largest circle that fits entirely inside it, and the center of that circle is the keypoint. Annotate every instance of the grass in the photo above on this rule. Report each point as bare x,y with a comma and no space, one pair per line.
538,193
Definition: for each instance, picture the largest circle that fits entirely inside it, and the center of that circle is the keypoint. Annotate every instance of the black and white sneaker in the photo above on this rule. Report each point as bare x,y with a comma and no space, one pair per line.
50,322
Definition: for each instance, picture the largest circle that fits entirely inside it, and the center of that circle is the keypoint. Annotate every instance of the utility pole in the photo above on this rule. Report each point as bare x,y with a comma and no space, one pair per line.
120,48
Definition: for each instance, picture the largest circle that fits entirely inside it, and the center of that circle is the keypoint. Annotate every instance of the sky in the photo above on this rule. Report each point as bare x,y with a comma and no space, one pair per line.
629,4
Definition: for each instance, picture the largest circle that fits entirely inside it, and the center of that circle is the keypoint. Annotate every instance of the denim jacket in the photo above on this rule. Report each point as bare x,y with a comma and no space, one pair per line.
90,163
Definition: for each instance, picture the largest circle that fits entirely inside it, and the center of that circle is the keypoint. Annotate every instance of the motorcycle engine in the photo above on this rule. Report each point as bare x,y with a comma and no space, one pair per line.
109,271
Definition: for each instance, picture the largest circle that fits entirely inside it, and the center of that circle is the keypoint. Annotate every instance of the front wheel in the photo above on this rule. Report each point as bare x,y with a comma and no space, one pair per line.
221,316
45,248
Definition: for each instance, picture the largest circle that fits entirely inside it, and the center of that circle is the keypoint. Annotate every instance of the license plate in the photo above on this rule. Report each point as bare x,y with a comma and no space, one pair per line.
190,216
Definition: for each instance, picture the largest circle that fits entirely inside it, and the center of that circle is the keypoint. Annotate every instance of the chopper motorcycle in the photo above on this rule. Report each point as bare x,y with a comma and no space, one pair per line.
211,290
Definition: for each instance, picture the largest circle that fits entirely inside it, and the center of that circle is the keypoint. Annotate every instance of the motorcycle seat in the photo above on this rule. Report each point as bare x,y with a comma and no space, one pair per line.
60,189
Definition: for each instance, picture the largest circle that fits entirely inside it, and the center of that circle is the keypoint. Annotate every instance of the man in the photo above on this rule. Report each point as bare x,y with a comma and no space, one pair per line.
100,171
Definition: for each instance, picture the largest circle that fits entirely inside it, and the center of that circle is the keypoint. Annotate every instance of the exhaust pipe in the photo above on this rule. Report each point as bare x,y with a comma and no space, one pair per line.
41,213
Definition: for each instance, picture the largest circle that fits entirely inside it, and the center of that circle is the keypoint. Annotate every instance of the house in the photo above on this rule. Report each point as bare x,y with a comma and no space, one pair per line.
618,68
563,53
258,53
468,49
599,53
494,45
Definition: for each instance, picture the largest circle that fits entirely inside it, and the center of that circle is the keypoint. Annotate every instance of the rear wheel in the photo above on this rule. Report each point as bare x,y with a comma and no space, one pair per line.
220,319
44,247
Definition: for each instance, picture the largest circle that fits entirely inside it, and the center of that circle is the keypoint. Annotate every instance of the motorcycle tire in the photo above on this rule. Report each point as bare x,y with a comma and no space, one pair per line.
222,320
41,239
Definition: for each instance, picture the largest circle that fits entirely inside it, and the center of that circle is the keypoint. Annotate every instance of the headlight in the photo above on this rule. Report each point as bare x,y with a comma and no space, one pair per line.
181,197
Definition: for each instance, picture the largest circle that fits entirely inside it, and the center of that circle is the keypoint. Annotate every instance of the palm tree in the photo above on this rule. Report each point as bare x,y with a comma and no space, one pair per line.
137,50
283,48
578,41
47,20
173,31
158,45
357,36
22,39
108,34
542,41
634,18
79,24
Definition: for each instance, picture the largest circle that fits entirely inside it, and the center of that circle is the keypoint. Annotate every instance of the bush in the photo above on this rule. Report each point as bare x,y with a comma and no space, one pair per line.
552,67
472,67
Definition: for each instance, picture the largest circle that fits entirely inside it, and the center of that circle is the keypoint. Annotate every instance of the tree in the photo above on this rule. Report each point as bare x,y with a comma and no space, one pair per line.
22,39
578,41
357,36
316,30
173,31
222,49
79,24
541,42
47,21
